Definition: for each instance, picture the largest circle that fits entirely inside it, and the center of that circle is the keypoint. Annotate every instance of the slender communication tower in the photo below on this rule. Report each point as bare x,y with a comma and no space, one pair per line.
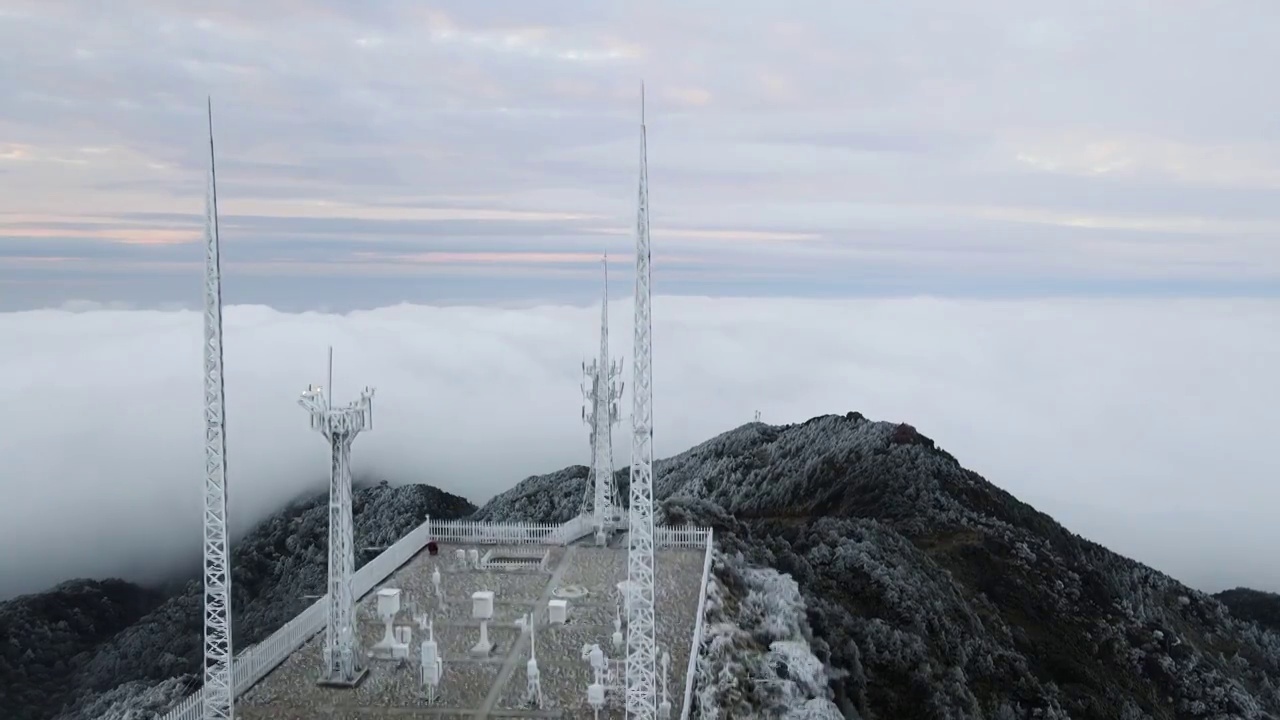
602,389
641,645
343,664
219,695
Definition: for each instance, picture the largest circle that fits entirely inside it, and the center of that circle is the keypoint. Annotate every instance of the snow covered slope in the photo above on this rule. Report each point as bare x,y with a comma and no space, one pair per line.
930,593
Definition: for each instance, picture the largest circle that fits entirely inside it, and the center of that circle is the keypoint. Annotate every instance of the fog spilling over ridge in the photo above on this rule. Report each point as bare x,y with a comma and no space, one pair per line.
1142,424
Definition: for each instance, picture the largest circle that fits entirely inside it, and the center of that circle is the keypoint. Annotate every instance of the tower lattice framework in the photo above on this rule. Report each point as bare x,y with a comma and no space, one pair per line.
601,390
219,695
343,661
641,670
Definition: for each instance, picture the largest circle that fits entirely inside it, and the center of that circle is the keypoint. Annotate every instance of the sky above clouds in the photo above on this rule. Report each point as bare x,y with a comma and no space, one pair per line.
456,152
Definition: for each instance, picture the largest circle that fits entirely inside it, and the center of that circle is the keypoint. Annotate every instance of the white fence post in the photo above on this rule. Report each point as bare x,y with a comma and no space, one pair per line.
469,532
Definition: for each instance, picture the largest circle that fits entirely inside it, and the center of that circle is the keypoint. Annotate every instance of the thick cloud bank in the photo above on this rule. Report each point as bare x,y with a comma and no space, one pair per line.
1143,424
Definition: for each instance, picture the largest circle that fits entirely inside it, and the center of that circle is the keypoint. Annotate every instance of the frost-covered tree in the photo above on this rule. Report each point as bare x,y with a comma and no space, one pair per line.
931,593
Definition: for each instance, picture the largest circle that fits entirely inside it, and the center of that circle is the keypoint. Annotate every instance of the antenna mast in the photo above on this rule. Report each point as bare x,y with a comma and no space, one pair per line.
219,695
641,673
602,389
343,662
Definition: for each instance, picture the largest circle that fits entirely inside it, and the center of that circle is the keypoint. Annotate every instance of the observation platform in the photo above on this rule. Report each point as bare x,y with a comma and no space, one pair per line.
494,686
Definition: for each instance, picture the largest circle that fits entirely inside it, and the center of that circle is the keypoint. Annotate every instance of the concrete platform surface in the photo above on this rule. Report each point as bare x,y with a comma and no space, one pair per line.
492,686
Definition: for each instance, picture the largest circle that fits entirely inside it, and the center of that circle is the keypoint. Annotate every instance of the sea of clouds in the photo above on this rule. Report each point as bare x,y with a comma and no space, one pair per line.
1146,425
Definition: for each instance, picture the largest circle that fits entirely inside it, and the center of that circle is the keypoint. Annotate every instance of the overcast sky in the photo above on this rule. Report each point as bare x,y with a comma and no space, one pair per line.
372,152
1123,153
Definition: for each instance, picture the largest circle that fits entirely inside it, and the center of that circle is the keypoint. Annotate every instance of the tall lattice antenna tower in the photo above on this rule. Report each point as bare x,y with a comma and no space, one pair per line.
343,664
641,645
219,695
601,388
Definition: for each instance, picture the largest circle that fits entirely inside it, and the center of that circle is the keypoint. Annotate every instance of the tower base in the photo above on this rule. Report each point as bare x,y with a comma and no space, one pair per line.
338,683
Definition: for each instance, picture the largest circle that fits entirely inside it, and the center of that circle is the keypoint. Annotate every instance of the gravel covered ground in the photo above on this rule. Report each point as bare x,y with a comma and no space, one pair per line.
390,690
565,675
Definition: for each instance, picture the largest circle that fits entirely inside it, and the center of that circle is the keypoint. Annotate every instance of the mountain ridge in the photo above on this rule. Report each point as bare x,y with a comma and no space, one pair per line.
933,593
859,571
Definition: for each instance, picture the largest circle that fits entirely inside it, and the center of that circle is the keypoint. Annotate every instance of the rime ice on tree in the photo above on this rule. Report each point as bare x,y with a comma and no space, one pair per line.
219,695
601,389
343,665
641,643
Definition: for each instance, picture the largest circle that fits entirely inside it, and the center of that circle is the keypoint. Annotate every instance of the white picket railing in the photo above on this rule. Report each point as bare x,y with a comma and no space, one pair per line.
696,650
254,663
686,536
487,533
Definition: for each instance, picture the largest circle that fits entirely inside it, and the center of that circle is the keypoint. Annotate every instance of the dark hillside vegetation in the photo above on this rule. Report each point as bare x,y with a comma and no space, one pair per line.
1256,606
47,635
931,593
82,639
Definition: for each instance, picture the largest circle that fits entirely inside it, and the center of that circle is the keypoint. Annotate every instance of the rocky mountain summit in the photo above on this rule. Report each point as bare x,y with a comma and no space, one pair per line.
860,572
928,592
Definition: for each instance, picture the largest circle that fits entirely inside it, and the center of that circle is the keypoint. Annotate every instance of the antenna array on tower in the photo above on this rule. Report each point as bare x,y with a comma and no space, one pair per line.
602,389
343,663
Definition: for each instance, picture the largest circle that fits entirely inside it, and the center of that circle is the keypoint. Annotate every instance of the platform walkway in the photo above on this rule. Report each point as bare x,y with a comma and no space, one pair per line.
276,678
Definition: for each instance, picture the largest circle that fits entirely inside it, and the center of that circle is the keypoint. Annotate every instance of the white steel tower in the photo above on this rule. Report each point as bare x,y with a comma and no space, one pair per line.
343,664
641,671
219,695
602,389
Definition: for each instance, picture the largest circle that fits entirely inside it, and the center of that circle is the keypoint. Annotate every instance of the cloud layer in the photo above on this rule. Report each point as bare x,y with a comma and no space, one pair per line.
989,148
1144,425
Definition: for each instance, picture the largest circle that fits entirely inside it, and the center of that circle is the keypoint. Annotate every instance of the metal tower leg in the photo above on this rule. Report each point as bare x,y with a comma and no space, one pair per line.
342,653
219,693
641,670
